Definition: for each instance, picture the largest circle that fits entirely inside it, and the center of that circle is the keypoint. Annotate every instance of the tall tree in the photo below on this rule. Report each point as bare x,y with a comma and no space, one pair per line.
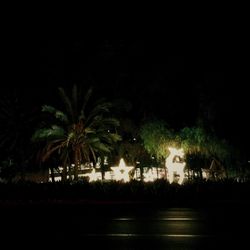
131,147
202,147
80,131
157,136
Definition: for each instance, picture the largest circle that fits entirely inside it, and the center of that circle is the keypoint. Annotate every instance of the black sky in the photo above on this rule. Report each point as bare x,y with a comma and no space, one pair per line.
150,73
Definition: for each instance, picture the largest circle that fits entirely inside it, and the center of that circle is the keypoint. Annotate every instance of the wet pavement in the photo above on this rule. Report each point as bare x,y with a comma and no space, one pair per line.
127,227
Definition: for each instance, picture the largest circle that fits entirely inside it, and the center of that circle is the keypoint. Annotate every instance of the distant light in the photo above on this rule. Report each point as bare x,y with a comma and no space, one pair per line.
121,172
108,176
175,167
108,130
56,178
134,139
137,162
149,176
93,176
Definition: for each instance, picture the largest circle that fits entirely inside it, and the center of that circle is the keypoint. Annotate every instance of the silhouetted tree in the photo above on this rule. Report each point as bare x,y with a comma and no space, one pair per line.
78,133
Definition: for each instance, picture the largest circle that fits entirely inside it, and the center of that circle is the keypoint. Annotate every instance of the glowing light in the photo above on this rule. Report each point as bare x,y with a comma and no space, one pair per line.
56,178
108,176
93,176
175,165
121,172
149,176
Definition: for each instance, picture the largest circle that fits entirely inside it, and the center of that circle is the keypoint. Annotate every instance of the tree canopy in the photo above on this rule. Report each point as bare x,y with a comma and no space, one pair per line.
78,132
157,136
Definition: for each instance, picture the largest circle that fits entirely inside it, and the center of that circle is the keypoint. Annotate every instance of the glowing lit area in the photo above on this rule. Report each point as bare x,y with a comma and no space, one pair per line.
94,176
175,165
150,175
108,175
56,178
121,172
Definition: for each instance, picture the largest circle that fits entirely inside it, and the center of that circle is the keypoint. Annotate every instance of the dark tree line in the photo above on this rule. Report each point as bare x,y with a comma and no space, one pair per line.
82,127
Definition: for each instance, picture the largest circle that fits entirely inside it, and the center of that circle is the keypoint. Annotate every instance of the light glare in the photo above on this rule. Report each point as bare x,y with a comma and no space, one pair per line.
175,165
121,172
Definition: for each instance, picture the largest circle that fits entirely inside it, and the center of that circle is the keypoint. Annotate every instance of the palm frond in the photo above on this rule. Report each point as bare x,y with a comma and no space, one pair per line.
110,138
67,103
69,137
74,100
111,122
90,130
101,147
51,148
55,112
48,133
92,153
85,102
115,137
99,110
61,116
49,109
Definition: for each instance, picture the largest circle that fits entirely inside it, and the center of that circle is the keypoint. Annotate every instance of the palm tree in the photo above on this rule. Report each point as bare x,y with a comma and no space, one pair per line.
79,133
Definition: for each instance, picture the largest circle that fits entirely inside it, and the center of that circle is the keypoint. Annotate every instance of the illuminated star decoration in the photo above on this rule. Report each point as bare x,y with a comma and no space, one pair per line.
121,172
93,176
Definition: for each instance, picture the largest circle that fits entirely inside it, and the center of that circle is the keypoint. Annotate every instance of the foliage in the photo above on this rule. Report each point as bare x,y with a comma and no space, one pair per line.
79,132
202,147
196,140
157,137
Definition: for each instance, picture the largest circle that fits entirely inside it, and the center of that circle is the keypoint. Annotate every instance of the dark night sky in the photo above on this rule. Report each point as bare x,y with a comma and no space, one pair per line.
147,72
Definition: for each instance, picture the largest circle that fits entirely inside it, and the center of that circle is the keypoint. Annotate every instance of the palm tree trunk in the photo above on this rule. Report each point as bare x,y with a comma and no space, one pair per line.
76,167
52,175
64,172
200,173
102,167
141,173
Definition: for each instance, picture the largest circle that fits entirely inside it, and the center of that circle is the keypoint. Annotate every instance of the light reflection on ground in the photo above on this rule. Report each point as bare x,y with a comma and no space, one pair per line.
119,227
